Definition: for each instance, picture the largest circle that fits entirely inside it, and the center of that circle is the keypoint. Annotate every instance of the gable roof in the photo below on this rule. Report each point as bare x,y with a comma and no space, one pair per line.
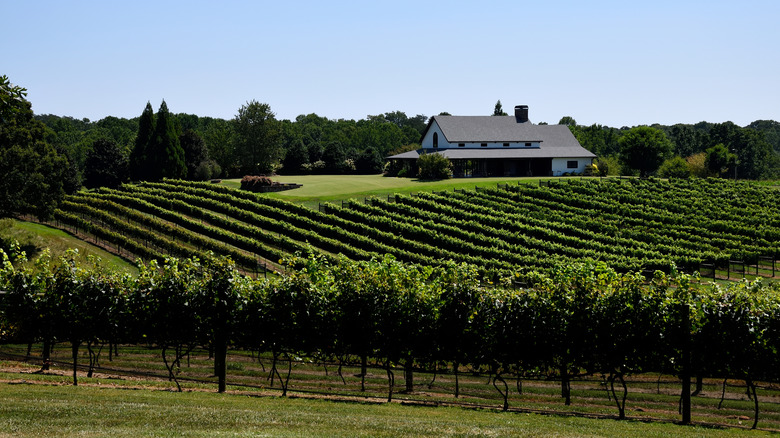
459,129
555,141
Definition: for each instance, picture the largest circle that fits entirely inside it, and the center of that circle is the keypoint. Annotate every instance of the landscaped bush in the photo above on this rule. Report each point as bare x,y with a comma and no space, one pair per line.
434,166
254,182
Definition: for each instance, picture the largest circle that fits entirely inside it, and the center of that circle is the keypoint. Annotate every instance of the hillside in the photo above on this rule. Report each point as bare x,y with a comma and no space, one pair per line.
630,224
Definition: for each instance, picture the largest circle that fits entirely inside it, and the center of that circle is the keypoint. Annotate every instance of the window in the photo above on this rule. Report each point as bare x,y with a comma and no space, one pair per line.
572,164
460,145
484,145
435,140
506,145
528,144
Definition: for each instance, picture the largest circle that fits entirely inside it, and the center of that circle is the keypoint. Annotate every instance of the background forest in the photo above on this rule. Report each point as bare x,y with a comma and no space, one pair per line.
44,157
218,148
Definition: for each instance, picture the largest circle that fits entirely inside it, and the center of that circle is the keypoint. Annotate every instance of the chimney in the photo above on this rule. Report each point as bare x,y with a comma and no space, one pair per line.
521,113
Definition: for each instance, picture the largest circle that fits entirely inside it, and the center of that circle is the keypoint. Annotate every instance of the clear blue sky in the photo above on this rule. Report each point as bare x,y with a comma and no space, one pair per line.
616,63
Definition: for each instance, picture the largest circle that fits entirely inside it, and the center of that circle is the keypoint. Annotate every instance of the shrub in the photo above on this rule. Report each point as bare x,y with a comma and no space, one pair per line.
697,163
434,166
675,167
254,182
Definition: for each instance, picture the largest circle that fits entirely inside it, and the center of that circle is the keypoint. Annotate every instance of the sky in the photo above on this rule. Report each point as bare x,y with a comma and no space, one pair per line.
614,63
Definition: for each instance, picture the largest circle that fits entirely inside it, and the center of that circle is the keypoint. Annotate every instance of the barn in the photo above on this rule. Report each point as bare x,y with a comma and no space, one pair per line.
500,146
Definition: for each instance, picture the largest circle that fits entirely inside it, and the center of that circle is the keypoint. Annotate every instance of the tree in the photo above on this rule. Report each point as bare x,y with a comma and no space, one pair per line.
296,156
195,151
106,165
644,148
718,160
219,140
369,162
334,157
568,121
166,156
498,110
258,146
139,160
32,170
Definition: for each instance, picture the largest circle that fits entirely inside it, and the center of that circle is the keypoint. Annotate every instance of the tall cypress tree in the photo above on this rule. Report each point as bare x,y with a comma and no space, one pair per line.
167,155
139,157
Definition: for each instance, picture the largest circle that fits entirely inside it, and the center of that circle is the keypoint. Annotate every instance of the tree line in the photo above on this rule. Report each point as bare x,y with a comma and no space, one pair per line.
46,156
702,150
577,320
254,142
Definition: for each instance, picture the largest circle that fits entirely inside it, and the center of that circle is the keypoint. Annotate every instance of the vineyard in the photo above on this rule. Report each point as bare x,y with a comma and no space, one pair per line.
714,227
584,339
577,288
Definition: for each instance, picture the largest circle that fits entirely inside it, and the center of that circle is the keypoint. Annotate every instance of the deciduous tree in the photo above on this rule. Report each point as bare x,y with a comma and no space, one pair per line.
644,148
106,165
258,146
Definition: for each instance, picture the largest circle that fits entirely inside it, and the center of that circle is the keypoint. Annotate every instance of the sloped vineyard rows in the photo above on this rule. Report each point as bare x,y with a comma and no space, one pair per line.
631,225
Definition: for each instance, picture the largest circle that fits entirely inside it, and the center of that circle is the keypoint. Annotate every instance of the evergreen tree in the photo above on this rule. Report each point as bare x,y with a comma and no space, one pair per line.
139,158
499,110
166,155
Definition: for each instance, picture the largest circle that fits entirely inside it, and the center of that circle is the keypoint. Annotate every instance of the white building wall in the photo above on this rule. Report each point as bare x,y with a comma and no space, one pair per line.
561,165
427,142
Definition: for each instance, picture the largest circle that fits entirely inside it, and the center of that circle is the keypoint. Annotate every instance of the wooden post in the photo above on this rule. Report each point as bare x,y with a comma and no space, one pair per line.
685,331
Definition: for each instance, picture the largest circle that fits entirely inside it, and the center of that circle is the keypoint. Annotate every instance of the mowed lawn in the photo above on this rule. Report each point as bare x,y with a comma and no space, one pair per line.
324,188
58,242
36,410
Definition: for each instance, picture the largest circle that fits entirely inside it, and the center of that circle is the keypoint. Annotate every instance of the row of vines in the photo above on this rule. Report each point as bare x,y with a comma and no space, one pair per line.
577,320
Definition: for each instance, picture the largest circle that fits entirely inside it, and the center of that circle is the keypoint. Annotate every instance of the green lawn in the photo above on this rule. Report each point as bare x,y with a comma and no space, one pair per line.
34,237
35,410
323,188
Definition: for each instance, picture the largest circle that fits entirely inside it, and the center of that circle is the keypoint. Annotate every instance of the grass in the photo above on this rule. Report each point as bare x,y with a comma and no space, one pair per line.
329,188
34,237
33,410
651,398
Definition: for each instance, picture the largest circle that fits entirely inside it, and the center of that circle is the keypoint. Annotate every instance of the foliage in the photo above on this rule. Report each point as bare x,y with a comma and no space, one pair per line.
369,162
719,159
697,163
106,165
675,167
644,148
295,158
140,160
164,152
608,165
33,172
250,182
195,154
257,141
499,110
434,166
578,319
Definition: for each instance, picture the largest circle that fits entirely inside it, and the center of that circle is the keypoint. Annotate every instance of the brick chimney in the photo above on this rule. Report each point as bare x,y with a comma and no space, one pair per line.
521,113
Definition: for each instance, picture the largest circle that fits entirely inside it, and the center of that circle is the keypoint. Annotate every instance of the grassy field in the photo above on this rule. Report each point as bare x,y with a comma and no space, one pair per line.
34,237
329,188
98,409
652,400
